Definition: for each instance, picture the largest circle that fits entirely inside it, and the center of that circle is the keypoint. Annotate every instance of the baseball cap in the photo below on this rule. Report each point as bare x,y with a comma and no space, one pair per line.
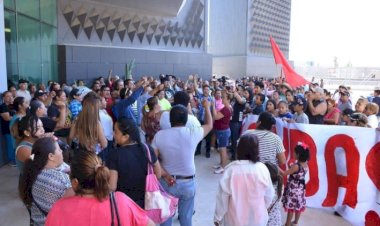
298,100
376,88
75,92
40,93
318,90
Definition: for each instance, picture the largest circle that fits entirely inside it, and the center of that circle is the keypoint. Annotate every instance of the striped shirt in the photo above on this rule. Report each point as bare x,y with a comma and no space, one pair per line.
270,145
51,185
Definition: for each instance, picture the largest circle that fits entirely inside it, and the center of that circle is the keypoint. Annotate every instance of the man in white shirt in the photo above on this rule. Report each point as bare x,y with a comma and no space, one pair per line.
175,148
183,98
107,124
23,92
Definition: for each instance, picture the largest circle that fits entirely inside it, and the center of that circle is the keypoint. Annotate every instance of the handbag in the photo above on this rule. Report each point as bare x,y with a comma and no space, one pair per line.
114,209
159,204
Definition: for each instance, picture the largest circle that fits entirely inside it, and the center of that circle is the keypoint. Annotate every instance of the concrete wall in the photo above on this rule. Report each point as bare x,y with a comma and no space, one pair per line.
238,66
228,27
234,66
261,66
87,63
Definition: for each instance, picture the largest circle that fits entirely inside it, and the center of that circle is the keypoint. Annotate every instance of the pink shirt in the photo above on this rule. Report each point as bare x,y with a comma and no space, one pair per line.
86,211
219,104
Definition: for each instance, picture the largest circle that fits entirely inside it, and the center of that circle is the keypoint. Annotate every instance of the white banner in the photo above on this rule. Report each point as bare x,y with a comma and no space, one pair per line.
344,168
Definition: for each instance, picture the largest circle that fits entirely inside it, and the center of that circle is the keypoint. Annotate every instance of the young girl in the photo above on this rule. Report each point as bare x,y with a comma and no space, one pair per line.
294,201
274,210
283,111
271,107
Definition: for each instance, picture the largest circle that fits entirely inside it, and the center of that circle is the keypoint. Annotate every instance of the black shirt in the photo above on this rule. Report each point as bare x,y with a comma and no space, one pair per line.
48,124
5,124
53,112
238,110
131,163
315,119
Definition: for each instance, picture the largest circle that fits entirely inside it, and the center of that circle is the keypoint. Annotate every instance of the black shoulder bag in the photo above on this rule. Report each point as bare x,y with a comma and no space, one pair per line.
114,209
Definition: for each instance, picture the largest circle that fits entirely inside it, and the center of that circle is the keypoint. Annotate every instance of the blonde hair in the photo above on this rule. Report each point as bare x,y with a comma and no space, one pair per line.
362,100
373,107
86,126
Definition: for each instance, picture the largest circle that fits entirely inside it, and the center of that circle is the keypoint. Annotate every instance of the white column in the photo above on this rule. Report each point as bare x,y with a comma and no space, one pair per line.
3,60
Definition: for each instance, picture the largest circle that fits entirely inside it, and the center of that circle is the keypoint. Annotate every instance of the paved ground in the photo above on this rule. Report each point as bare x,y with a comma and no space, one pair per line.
12,212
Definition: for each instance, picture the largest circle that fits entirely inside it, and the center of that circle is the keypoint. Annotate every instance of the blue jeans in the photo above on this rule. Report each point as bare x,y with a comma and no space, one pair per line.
223,137
10,151
185,191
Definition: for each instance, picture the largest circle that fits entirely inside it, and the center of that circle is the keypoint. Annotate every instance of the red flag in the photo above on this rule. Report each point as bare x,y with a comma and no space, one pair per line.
292,78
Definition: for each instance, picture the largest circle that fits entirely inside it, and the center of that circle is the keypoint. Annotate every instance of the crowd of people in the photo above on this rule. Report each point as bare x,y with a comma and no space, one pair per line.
76,148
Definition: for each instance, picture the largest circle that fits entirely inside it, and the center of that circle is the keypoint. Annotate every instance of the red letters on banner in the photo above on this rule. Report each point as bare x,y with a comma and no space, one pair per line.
312,185
372,165
334,180
372,219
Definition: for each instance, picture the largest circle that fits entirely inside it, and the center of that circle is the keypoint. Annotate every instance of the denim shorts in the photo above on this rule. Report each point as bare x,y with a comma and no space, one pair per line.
223,137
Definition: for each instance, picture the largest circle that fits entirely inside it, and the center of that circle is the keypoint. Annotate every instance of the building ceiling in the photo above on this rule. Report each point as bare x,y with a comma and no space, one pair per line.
153,7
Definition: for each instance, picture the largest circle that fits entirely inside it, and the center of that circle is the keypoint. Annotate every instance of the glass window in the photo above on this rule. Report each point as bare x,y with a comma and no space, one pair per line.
29,7
49,11
29,49
11,44
49,53
10,4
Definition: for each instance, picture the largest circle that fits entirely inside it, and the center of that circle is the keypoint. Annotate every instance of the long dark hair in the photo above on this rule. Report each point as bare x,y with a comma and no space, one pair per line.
87,168
28,122
32,168
17,102
276,177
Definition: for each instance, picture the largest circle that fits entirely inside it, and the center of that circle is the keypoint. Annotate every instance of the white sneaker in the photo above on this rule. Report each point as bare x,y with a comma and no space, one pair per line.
219,171
217,166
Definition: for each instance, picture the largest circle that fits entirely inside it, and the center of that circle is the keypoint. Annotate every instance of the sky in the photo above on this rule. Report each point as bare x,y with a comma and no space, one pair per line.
347,29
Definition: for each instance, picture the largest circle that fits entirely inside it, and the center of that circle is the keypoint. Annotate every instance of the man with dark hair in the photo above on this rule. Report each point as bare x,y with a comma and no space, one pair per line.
175,148
182,98
178,115
23,92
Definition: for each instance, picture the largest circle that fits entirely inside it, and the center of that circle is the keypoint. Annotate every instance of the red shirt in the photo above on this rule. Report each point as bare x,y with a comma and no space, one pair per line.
223,123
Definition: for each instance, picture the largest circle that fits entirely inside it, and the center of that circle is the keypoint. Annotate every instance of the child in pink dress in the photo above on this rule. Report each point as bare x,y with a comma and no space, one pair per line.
293,200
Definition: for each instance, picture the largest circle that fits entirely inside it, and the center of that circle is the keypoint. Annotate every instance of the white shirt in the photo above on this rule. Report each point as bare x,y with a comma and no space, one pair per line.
244,194
107,124
25,94
176,147
192,121
372,121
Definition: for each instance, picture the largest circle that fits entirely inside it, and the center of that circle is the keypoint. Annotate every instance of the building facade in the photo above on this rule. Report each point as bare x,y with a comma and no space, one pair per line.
239,35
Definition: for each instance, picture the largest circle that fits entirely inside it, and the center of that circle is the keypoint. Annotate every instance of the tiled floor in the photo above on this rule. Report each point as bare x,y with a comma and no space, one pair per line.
12,212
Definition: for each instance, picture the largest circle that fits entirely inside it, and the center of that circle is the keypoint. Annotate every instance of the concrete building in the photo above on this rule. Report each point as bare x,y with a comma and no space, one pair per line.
68,40
239,33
